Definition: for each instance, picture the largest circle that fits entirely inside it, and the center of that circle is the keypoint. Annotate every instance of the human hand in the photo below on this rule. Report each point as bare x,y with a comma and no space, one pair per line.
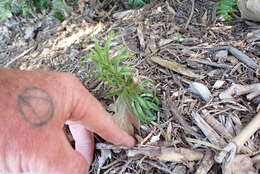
34,107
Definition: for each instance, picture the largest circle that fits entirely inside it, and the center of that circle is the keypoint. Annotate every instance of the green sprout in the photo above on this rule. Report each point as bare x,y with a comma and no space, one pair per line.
226,7
137,3
140,97
5,9
28,8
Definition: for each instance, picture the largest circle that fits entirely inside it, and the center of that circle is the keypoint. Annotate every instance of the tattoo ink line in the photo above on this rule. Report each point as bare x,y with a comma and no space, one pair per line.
29,111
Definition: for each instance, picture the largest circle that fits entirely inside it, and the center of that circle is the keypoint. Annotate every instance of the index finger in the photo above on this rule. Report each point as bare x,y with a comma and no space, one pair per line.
87,110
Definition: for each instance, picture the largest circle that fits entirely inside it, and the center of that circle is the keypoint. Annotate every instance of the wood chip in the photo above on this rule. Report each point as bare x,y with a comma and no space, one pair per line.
206,163
176,67
140,35
120,15
208,131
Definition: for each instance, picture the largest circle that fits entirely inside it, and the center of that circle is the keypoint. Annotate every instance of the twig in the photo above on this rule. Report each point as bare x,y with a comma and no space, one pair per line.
157,152
158,167
191,14
111,147
21,55
205,62
243,58
124,167
234,51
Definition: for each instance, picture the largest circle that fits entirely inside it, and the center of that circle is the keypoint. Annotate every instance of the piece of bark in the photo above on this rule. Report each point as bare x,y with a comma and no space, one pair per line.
208,131
216,125
176,67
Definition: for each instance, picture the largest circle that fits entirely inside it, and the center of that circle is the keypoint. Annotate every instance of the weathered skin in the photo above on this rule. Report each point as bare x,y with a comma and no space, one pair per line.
34,107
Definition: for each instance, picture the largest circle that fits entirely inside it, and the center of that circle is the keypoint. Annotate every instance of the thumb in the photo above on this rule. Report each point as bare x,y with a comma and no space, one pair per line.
84,140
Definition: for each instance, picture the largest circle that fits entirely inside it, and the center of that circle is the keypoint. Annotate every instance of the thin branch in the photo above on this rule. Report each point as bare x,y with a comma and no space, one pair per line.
191,14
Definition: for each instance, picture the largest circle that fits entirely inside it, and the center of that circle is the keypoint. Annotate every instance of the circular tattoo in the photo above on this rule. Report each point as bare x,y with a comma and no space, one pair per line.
35,106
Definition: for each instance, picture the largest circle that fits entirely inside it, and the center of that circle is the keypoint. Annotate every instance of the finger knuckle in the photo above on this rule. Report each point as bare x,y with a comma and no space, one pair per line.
70,78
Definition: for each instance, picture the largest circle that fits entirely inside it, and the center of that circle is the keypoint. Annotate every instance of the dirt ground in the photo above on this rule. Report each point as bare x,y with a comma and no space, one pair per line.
173,43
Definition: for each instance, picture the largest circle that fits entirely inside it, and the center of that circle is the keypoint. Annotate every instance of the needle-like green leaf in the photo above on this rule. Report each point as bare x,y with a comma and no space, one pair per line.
140,98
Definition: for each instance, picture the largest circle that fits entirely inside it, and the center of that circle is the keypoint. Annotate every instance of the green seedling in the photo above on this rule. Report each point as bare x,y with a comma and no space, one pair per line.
28,8
5,9
137,3
58,14
226,7
138,96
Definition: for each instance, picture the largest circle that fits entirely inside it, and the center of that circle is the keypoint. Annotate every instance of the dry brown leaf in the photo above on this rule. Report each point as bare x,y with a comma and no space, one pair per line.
241,164
124,118
174,66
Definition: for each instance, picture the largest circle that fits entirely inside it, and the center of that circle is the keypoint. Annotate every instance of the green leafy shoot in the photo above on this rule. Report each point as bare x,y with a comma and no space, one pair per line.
137,3
139,97
28,8
58,14
5,9
226,7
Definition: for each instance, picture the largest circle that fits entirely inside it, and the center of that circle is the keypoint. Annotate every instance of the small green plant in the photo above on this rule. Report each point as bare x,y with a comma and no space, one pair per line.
5,7
28,8
58,14
137,3
140,96
226,7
